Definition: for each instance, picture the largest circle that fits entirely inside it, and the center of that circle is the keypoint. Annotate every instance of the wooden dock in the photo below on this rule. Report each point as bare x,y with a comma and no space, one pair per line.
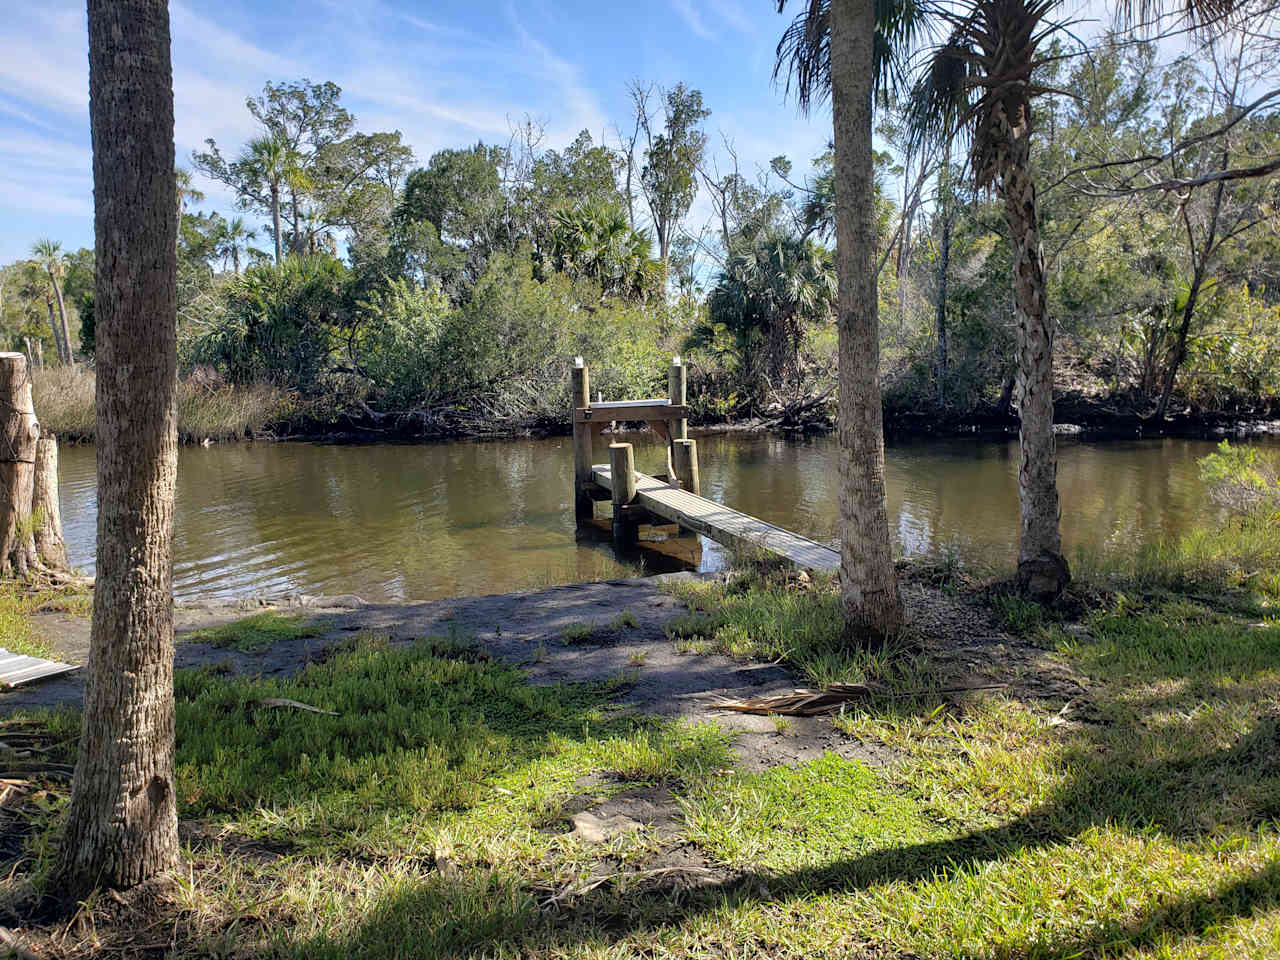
722,524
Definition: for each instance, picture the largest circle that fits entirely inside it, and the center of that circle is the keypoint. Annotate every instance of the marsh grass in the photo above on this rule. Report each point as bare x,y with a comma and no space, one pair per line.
258,632
207,407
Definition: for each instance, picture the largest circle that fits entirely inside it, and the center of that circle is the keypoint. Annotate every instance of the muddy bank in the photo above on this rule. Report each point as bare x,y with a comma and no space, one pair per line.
1094,418
590,632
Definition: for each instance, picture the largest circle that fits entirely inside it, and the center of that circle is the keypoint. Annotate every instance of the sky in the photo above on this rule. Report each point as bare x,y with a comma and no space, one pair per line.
444,74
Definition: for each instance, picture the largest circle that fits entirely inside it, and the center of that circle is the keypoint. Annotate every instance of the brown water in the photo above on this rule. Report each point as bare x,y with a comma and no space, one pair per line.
422,522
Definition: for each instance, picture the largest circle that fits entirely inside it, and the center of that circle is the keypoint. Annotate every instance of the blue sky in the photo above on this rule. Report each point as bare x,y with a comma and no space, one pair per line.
444,74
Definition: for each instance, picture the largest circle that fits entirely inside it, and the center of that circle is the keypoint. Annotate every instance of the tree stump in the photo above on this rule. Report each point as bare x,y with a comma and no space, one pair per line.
19,434
50,547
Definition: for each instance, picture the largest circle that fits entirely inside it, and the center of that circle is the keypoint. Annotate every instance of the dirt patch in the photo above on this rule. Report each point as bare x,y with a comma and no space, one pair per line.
619,628
967,647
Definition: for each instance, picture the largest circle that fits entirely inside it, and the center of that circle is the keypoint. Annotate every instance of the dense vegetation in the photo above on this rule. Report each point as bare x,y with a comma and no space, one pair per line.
451,297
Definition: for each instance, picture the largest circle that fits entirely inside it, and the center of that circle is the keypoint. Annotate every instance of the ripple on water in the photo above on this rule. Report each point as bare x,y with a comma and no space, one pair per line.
420,522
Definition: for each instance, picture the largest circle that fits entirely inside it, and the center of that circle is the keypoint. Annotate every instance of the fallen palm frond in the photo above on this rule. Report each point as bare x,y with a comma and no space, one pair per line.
292,704
813,703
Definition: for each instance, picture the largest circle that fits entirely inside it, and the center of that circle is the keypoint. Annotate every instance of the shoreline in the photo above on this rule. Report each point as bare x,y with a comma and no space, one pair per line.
1085,422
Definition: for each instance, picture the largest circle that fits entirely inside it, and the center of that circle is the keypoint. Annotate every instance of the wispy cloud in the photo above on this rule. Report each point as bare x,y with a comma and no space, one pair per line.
692,18
724,13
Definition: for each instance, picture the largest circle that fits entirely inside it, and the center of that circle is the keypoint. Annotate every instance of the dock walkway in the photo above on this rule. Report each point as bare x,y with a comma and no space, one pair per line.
722,524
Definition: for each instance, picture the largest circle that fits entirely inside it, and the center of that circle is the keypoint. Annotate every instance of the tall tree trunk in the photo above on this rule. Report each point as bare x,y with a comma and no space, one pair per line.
1042,568
868,582
299,241
944,262
235,259
1193,295
904,245
122,822
62,319
1180,345
61,346
275,219
54,329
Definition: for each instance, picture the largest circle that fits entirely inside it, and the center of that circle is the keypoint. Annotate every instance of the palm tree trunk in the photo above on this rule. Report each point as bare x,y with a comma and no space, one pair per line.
868,582
55,330
122,823
62,319
299,241
235,259
1042,569
275,218
944,263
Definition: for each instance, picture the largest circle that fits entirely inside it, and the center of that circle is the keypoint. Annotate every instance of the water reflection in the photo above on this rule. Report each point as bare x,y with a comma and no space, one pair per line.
420,522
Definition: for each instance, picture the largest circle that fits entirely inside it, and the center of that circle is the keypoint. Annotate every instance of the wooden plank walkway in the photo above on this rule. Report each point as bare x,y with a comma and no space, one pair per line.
722,524
16,668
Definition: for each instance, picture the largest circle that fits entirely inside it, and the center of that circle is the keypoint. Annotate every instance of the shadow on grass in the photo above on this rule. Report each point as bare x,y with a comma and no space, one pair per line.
1187,773
490,912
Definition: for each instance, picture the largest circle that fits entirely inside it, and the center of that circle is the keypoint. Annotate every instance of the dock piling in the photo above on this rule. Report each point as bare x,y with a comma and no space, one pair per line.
584,507
622,466
677,384
684,464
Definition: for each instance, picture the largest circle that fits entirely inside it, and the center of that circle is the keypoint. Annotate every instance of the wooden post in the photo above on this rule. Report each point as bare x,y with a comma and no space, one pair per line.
685,464
50,547
584,507
677,383
19,432
622,465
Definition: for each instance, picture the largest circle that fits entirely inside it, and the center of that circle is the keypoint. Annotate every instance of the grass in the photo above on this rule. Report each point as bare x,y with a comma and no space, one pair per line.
428,817
256,633
767,614
578,632
18,602
208,409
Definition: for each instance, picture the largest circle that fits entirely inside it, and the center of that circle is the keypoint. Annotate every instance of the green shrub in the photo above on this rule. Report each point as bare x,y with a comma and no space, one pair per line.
1245,480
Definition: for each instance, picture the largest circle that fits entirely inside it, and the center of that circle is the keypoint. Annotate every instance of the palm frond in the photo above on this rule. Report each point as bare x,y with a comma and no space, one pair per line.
803,56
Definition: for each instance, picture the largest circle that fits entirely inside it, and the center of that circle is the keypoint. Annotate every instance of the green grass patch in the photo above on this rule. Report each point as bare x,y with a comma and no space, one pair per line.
18,634
764,614
578,632
256,633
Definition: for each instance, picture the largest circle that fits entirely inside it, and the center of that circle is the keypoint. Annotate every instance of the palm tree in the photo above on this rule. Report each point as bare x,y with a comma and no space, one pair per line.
122,824
979,81
268,159
841,48
48,253
769,293
232,239
595,241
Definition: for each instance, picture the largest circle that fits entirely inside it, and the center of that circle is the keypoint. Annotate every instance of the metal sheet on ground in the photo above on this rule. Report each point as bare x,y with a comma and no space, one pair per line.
16,669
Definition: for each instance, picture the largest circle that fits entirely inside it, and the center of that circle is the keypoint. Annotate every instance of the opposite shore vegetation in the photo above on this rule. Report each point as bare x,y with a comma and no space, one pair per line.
466,283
